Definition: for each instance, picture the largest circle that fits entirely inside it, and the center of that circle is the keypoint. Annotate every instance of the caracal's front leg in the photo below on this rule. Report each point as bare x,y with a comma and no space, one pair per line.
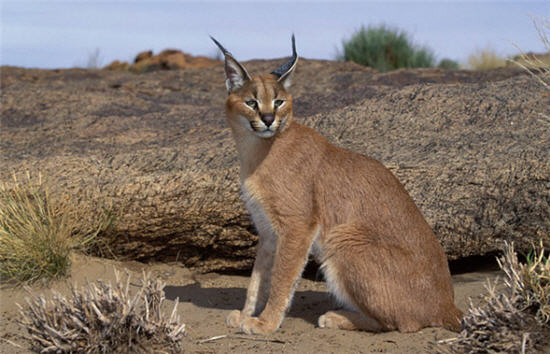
258,289
289,262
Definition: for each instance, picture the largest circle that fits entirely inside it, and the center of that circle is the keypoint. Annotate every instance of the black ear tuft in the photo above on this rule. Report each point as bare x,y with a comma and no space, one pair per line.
224,51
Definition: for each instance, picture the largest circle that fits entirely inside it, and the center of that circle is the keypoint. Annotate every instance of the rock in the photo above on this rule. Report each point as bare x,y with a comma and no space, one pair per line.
168,59
472,148
143,55
118,65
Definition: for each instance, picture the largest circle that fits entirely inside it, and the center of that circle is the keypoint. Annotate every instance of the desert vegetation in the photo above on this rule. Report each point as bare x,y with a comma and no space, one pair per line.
537,66
385,48
38,232
485,59
104,318
448,64
514,315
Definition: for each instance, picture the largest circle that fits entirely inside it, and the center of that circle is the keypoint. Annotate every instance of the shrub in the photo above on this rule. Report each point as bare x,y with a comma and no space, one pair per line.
104,319
385,49
485,59
515,320
37,234
448,64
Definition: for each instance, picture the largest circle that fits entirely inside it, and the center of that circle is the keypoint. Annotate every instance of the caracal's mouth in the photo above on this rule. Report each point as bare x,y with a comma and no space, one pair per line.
267,133
262,130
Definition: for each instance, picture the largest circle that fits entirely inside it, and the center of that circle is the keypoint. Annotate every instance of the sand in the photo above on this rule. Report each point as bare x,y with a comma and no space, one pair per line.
206,299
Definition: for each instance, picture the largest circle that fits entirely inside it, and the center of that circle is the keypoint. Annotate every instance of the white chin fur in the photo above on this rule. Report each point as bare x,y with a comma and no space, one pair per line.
266,134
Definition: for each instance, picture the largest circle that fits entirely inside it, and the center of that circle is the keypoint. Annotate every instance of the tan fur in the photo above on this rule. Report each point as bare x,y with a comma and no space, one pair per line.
380,257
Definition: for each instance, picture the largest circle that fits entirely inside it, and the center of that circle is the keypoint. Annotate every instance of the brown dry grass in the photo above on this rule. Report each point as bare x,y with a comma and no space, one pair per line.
537,66
485,59
38,232
515,320
104,318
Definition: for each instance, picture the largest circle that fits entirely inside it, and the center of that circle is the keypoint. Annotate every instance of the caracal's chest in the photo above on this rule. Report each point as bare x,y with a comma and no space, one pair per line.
252,198
254,202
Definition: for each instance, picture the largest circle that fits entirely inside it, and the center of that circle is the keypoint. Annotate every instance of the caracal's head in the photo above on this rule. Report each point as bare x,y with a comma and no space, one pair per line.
259,105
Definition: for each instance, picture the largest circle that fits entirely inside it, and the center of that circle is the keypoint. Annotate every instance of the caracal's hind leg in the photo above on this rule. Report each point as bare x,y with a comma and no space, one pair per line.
364,273
349,320
382,277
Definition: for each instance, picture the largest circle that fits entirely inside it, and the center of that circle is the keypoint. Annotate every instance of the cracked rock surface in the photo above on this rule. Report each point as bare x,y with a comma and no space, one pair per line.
472,149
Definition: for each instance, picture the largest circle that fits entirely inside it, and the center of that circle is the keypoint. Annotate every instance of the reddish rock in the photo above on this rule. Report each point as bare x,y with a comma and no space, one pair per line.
168,59
143,55
117,65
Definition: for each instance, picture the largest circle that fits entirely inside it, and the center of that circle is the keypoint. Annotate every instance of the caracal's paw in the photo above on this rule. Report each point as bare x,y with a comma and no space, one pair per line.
255,325
235,318
339,320
328,320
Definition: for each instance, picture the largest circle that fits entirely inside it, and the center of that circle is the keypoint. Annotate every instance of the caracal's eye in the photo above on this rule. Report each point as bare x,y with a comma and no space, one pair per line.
278,103
252,104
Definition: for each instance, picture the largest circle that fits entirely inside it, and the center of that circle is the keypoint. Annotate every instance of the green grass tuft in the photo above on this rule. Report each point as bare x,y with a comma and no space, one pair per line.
448,64
385,49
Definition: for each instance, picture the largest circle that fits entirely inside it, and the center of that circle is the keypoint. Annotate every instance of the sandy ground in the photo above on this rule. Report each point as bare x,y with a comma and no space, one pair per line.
206,299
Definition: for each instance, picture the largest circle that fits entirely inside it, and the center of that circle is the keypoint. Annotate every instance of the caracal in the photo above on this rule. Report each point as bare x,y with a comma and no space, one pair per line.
380,258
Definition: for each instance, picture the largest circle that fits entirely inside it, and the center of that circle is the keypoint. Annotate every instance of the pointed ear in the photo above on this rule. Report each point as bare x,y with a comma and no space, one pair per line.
236,74
284,72
286,78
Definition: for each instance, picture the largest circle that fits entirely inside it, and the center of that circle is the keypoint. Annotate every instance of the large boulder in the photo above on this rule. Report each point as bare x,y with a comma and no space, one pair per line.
472,148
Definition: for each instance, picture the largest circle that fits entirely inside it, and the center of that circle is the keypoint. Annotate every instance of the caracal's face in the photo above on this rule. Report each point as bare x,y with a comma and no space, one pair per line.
261,106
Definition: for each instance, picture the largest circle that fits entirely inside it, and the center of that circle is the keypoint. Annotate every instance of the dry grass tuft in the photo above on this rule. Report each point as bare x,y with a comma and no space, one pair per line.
38,233
101,318
515,320
485,59
530,282
538,66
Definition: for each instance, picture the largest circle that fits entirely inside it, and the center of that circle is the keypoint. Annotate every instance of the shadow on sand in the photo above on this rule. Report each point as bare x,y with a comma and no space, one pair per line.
308,305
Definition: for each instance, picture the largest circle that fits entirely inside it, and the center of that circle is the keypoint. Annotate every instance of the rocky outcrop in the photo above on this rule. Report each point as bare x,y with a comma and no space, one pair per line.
168,59
472,148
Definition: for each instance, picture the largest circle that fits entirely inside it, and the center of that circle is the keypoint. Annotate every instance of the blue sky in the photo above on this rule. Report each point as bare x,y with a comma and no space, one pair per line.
57,34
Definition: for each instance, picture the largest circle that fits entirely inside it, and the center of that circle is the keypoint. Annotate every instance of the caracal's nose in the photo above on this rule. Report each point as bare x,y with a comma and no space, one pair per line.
268,119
